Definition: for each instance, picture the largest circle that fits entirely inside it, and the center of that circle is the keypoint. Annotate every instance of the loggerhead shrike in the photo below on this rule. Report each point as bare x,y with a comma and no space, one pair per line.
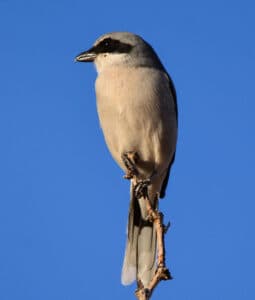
137,108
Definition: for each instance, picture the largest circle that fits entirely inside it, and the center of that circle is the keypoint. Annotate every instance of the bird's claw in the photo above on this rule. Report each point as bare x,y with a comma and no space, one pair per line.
130,159
141,188
129,175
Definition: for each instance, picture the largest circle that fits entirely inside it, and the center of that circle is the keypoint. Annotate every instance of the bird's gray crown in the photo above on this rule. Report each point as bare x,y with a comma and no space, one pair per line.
124,37
110,44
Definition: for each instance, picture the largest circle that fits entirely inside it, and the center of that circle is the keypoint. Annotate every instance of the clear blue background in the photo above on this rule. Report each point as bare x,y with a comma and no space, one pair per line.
63,202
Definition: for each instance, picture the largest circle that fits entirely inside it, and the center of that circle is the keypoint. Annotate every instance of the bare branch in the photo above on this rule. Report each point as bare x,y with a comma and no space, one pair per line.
162,273
141,189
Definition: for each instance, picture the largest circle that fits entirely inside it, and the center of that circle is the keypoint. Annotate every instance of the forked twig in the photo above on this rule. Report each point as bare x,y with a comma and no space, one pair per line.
162,273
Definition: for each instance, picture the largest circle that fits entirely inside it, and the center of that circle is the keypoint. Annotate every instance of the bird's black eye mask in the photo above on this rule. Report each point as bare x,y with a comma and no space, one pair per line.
109,45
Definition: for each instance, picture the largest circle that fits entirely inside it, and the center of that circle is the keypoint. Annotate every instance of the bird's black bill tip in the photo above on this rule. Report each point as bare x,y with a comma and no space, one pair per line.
86,56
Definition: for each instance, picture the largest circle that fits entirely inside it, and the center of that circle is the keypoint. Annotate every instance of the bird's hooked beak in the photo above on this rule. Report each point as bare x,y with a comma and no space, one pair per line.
86,56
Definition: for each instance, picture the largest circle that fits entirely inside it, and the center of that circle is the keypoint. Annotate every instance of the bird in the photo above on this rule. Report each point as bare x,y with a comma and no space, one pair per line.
137,108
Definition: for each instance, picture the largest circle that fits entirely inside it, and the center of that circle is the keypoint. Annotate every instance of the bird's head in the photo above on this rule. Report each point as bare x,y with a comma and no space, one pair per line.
119,48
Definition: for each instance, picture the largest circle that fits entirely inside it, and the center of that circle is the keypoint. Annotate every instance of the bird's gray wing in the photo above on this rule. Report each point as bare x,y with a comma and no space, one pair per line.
173,92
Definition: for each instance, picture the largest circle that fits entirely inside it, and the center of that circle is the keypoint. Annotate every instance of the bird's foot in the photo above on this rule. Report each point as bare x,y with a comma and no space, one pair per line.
130,159
141,188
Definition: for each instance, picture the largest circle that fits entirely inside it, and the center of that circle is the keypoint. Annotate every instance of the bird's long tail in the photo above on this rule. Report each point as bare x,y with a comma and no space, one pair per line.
140,255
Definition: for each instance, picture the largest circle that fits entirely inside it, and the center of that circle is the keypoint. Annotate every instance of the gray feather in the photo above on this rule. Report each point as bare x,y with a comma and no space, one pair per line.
139,260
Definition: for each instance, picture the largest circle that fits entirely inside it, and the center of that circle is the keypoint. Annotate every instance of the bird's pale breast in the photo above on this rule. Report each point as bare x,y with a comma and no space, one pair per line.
136,113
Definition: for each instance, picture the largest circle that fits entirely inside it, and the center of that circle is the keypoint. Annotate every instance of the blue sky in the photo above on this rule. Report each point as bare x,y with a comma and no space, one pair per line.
63,202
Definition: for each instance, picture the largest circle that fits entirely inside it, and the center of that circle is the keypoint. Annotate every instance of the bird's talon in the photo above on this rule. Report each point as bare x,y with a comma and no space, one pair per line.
130,159
128,176
141,188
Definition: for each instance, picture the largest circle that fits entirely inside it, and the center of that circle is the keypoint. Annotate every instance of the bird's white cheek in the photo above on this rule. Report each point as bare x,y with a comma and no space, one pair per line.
99,63
105,61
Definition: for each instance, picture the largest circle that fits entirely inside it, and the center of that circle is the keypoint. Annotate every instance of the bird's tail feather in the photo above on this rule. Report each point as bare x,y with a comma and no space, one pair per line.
139,260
